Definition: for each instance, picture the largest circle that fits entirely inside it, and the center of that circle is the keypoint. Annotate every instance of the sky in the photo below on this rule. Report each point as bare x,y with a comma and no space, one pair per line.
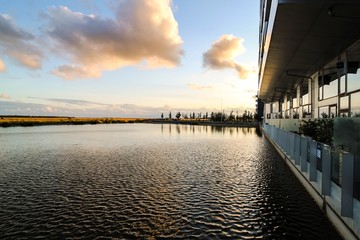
127,58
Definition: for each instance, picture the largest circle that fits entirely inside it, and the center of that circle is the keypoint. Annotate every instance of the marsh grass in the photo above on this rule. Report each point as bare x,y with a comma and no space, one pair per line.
10,121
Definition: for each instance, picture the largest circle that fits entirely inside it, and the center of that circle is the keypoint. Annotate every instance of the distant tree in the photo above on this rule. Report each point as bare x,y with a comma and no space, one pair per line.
219,116
231,116
162,115
193,116
206,115
245,116
178,115
169,115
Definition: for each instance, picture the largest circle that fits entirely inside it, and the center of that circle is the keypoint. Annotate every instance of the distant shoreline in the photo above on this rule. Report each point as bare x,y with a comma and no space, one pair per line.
28,121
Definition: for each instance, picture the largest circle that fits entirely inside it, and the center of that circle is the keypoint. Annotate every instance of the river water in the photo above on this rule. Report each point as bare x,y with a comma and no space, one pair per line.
144,181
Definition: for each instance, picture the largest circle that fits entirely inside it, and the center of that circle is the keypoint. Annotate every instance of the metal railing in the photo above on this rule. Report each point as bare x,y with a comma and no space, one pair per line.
321,164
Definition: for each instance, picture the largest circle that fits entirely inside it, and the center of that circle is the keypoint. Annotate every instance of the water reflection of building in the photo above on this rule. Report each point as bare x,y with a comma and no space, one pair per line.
308,68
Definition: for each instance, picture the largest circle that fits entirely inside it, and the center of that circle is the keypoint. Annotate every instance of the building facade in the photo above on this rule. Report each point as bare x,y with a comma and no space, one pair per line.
309,59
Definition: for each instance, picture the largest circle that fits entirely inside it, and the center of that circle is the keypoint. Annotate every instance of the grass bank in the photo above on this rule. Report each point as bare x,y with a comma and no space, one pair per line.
27,121
12,121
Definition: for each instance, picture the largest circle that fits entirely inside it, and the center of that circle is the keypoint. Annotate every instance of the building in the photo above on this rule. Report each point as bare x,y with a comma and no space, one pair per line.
308,59
309,54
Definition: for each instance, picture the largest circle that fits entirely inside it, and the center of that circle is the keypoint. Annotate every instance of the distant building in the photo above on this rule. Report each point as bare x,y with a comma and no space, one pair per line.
309,59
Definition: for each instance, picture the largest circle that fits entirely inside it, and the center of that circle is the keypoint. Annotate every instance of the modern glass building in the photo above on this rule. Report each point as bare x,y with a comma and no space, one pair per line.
309,59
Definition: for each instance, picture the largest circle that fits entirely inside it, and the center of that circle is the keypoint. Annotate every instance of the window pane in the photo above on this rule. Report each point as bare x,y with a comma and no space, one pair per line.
267,108
320,93
275,107
353,81
323,112
344,102
355,104
305,99
331,90
342,84
333,112
306,111
295,103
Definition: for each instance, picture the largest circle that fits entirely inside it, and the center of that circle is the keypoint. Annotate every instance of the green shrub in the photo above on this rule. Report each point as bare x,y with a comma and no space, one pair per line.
320,129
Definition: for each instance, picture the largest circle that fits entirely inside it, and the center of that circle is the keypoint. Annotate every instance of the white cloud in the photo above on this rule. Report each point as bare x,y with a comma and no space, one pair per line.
18,44
222,53
144,32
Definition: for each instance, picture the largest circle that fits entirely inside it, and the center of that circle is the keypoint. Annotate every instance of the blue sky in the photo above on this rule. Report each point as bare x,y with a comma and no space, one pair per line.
129,58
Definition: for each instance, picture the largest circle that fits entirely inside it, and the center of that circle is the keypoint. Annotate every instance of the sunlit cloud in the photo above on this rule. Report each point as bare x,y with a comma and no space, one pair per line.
2,66
70,101
5,96
194,86
222,55
144,33
18,44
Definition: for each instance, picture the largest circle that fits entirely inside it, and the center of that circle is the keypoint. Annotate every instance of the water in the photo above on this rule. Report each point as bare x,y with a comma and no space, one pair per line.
146,181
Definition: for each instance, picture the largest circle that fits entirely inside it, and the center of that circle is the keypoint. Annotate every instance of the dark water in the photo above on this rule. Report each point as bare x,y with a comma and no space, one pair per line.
150,182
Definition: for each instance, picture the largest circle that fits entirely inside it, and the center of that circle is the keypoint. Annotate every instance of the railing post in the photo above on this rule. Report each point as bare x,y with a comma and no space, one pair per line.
347,189
304,152
287,143
312,156
326,171
297,149
292,146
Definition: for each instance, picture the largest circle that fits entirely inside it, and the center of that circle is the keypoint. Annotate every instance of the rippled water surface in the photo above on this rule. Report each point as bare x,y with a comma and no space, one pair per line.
150,182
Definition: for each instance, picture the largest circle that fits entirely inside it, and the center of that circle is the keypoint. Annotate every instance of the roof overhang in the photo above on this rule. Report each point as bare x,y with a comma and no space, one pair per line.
305,36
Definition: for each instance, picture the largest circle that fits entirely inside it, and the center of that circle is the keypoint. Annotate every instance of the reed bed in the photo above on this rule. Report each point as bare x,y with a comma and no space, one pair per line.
10,121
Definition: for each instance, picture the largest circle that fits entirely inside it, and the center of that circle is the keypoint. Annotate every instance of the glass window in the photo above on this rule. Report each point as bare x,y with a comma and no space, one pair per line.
306,111
342,84
275,107
344,102
333,112
324,112
321,93
353,82
267,108
355,104
331,90
305,99
295,103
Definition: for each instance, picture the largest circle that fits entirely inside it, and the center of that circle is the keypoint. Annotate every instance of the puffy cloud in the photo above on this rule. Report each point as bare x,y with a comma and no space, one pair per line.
2,66
222,53
143,32
17,44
